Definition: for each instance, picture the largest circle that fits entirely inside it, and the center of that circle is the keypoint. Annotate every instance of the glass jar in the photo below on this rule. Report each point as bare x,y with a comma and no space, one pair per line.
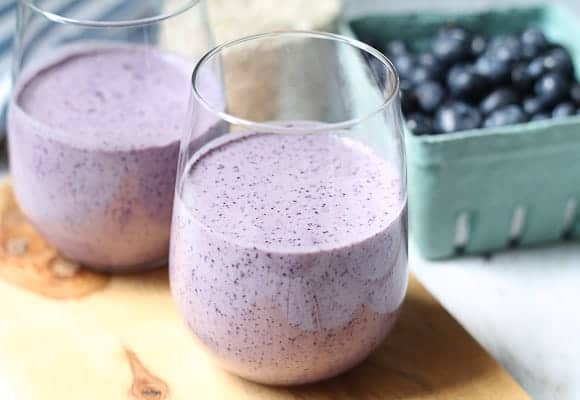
98,108
288,255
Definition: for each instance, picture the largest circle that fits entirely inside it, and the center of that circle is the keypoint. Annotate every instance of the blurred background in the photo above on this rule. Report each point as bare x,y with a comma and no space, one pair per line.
231,19
366,6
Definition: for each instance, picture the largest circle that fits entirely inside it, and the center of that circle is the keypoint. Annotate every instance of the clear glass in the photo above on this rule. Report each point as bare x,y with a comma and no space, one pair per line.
288,255
101,93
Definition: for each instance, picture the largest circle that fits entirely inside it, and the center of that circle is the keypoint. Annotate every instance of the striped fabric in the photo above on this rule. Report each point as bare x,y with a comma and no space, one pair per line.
88,9
7,26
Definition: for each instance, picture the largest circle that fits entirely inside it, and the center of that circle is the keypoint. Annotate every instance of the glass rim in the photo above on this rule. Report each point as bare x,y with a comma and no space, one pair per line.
127,23
270,127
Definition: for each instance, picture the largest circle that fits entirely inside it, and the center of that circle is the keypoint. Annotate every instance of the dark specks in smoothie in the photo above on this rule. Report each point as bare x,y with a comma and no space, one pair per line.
307,232
100,95
94,162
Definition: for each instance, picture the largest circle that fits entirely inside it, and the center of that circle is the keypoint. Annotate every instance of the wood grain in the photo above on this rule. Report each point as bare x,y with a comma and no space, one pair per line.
145,385
28,261
123,339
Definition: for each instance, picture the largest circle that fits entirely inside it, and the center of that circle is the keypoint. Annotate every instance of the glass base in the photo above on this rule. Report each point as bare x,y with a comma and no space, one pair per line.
129,270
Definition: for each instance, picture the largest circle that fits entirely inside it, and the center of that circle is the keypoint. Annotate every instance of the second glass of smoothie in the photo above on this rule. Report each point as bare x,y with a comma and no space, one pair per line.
98,108
288,256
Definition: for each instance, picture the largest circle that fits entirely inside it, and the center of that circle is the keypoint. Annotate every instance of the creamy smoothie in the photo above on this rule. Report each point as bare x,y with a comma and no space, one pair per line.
289,253
94,140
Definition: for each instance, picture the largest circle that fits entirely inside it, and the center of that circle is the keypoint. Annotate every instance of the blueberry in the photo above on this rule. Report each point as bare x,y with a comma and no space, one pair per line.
464,83
396,48
478,45
457,116
552,88
494,71
495,42
457,69
509,115
521,79
404,64
432,65
507,49
534,43
533,105
499,40
540,117
536,68
452,45
420,124
419,74
534,37
499,98
429,95
427,59
530,52
565,109
559,60
575,93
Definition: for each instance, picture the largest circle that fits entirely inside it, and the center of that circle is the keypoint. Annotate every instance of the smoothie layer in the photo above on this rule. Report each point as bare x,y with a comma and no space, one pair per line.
289,254
94,142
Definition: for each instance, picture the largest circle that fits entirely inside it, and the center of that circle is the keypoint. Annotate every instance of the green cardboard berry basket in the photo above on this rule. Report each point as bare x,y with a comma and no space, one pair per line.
485,190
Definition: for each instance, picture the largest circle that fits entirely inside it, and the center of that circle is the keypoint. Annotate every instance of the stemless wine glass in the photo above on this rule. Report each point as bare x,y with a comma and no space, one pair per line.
288,255
101,93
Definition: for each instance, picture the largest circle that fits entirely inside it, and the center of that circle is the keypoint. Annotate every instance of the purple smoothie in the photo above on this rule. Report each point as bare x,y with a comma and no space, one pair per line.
289,254
94,141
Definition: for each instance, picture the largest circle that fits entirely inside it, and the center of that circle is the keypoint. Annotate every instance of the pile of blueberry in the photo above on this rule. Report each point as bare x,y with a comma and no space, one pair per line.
468,81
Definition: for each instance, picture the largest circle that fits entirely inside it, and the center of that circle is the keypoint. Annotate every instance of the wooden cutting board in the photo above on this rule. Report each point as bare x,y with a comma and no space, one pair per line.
67,333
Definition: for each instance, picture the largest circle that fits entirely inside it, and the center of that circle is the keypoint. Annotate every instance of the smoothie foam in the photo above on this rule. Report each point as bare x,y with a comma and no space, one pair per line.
94,140
289,254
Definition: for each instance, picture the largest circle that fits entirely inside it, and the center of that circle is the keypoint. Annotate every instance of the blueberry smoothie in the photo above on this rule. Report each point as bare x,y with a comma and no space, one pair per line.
94,140
289,253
